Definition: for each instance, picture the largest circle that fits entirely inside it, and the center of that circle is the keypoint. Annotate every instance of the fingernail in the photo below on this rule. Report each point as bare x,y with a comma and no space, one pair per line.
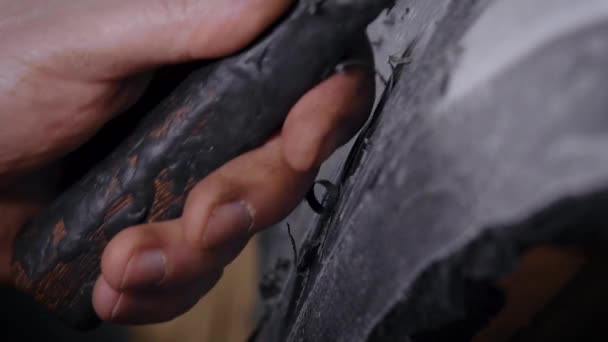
228,222
353,63
145,268
116,308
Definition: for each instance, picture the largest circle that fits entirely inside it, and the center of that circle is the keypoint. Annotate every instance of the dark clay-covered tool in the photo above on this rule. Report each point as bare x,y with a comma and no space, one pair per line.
219,112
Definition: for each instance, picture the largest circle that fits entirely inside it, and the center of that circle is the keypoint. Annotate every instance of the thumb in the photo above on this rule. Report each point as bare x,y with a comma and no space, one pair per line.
108,40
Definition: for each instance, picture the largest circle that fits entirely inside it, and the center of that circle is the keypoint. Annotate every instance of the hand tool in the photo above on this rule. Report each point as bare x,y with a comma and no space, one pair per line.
220,111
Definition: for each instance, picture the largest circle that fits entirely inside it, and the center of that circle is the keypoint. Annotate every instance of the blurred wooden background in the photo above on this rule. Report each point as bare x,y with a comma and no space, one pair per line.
226,314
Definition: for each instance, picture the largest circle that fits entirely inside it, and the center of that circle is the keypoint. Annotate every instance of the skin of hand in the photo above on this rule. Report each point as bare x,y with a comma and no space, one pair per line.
69,67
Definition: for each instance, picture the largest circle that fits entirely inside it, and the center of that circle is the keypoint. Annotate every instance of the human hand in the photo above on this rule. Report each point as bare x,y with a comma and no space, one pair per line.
70,67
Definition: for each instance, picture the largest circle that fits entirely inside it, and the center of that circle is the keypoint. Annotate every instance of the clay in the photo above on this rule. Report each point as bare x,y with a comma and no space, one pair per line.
220,111
449,189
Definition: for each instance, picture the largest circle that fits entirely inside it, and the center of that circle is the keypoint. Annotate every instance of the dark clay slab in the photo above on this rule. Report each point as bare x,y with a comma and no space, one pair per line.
457,179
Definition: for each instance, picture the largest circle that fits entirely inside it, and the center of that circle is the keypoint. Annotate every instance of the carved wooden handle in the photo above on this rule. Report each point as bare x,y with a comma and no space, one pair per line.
219,112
